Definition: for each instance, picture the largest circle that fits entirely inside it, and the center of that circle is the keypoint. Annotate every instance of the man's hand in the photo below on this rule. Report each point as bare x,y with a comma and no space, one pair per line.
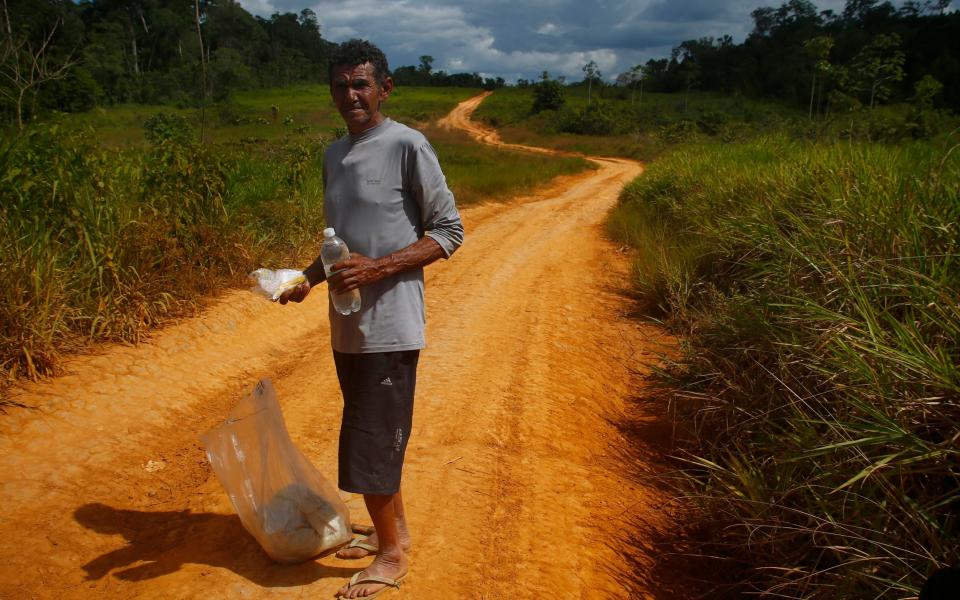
296,294
357,271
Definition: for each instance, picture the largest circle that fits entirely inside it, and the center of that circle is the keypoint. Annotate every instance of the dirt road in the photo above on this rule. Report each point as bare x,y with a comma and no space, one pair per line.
512,482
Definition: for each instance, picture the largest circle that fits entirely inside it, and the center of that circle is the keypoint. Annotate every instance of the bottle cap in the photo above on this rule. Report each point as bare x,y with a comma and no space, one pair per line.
329,232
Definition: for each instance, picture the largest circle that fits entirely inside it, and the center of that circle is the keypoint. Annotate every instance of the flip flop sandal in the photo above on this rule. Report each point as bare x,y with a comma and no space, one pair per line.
386,581
361,543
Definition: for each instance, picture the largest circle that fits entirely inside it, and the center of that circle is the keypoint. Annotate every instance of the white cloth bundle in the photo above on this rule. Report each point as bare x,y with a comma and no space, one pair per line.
271,284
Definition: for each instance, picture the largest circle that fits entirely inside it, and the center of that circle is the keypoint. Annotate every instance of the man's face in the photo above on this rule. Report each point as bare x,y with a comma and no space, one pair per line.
358,96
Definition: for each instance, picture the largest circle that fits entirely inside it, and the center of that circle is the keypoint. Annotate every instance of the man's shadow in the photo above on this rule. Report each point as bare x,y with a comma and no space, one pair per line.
161,542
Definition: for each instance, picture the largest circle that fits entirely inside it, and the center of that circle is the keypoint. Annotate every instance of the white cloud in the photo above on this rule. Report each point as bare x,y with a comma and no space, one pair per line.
263,8
550,29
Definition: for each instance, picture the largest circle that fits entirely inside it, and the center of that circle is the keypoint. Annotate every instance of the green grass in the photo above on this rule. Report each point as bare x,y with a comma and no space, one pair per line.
639,128
304,112
817,288
477,173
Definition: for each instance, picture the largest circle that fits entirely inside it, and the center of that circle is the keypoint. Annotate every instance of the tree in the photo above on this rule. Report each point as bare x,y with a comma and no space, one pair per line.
26,66
685,63
878,65
228,73
547,95
818,50
592,71
426,64
203,71
632,79
857,10
924,91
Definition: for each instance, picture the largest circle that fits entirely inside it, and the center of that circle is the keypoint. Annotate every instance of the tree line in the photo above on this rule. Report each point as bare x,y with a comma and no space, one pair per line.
423,74
73,55
149,51
869,53
70,55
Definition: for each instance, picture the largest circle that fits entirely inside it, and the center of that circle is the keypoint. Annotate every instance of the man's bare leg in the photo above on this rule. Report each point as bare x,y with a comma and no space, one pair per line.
390,561
402,529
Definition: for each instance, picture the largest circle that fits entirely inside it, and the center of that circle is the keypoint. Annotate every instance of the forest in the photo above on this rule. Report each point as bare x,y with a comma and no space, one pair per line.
70,57
869,53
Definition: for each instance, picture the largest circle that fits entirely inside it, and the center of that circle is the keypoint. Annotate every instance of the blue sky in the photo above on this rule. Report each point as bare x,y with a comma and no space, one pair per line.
521,38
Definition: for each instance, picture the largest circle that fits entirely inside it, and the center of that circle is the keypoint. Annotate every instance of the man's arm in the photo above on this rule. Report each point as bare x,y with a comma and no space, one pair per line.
358,270
439,216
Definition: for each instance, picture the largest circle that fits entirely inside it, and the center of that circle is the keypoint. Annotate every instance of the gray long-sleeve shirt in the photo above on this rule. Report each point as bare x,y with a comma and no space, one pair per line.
384,190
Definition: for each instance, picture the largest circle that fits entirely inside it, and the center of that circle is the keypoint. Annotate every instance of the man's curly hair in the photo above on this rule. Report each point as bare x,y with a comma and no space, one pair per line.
357,52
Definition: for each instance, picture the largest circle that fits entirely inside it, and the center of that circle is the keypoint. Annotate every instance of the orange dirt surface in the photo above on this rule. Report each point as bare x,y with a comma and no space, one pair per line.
515,483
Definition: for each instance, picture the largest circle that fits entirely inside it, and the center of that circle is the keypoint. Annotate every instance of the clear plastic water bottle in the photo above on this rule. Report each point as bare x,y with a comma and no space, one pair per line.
332,251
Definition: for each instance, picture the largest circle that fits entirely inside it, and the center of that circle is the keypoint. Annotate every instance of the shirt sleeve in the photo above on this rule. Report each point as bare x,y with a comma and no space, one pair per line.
438,210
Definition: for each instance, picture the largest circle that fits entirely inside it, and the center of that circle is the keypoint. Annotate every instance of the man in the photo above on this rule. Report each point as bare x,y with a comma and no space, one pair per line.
385,195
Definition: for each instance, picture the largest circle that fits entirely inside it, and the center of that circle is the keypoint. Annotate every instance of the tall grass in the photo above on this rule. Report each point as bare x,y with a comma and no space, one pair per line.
477,173
103,245
818,290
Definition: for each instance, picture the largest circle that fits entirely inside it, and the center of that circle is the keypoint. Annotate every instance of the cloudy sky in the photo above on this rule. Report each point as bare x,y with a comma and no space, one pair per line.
521,38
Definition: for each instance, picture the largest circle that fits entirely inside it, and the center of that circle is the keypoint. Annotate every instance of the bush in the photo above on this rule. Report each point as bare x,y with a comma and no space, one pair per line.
547,95
167,127
592,120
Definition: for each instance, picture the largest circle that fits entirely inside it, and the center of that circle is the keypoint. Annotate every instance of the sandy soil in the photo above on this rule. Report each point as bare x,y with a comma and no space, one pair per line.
513,483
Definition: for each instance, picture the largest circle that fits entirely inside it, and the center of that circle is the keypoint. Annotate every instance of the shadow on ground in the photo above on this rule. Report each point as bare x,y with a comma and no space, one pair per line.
661,544
161,542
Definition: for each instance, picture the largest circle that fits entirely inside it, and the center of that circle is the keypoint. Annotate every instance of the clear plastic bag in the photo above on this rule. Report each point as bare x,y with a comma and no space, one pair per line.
282,500
271,284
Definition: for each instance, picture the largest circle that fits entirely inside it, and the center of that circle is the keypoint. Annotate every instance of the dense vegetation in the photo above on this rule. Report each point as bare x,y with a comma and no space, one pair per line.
817,290
103,52
825,62
102,245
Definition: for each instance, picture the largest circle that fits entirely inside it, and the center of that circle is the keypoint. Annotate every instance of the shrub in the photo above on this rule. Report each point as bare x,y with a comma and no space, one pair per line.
163,127
547,95
592,120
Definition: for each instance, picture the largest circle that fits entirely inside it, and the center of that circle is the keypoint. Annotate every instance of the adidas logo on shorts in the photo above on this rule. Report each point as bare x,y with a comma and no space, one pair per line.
386,381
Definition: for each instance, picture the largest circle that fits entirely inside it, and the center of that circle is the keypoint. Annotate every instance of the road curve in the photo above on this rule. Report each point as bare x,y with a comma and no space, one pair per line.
513,483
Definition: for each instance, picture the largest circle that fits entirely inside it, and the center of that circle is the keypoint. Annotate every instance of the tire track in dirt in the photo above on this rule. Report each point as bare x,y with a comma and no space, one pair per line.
512,482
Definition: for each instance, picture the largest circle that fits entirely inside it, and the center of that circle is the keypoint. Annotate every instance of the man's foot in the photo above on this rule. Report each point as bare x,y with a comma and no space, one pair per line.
391,568
354,551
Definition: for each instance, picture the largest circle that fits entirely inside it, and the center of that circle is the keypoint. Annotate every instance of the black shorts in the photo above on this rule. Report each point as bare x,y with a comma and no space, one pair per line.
378,393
